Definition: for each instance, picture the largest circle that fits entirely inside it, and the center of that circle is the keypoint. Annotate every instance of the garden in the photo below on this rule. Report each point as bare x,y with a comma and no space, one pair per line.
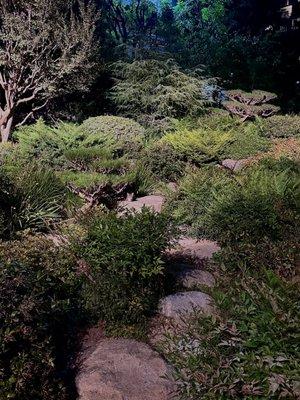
150,217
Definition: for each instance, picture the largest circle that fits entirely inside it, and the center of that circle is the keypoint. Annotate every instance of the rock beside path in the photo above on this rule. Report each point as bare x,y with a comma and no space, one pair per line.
200,249
182,304
189,277
154,202
234,165
123,369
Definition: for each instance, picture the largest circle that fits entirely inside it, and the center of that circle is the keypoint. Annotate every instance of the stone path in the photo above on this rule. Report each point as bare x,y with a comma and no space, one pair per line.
123,369
154,202
181,304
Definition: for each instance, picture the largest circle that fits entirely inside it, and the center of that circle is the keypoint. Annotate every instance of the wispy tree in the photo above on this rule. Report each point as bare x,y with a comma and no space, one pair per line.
46,49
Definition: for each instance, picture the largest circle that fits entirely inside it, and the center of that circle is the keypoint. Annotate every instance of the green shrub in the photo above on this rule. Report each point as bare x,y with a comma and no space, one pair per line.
41,142
96,159
6,152
156,127
163,161
218,119
39,308
255,336
261,205
159,88
32,198
118,133
246,142
123,255
82,179
199,146
281,126
196,193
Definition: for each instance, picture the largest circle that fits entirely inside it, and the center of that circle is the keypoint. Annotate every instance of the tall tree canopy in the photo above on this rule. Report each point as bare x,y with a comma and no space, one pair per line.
46,48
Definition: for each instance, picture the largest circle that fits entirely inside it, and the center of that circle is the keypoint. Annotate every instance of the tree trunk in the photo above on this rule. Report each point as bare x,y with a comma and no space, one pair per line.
5,129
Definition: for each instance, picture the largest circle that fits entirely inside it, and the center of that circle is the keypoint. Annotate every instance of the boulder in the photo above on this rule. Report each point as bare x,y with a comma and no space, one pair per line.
234,165
155,202
189,277
200,249
123,369
182,304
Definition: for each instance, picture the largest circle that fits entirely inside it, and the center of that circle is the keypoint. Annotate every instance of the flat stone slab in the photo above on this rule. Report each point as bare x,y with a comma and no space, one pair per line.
155,202
234,165
189,277
201,249
124,369
181,304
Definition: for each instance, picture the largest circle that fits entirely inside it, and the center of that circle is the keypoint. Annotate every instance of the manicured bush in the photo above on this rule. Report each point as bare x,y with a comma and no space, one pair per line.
117,133
46,144
281,126
199,146
39,308
163,161
124,260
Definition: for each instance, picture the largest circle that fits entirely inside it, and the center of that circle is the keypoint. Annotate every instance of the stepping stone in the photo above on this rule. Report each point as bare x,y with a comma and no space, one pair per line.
201,249
155,202
234,165
123,369
182,304
189,277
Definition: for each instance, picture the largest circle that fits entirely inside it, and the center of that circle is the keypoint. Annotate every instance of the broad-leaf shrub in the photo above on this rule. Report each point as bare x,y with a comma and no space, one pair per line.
124,259
39,308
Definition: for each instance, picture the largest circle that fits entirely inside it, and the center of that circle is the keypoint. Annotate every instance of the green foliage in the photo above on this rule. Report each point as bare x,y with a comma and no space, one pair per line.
163,161
85,179
31,198
108,131
200,145
255,338
261,205
250,105
281,126
123,255
40,142
96,159
39,303
158,88
196,194
246,142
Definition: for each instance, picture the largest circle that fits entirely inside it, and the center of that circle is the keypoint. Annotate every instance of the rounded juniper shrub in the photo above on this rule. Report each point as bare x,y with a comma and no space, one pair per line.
39,309
163,162
123,255
281,126
113,132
